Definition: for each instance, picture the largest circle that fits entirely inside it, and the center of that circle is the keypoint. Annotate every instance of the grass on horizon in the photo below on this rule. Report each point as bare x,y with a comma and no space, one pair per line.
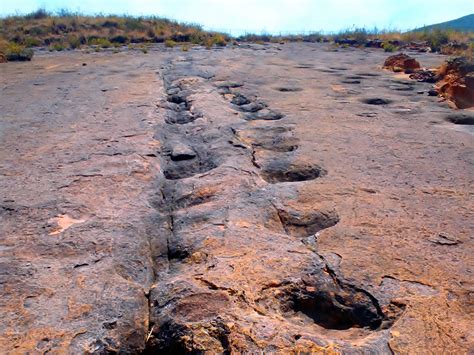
391,40
65,30
71,30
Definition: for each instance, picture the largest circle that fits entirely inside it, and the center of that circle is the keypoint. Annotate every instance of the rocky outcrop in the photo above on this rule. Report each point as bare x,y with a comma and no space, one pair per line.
401,62
215,208
457,82
219,285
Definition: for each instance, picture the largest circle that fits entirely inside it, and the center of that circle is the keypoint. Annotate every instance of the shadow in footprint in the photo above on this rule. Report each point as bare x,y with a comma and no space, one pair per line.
302,224
265,115
284,171
184,168
377,101
332,304
288,89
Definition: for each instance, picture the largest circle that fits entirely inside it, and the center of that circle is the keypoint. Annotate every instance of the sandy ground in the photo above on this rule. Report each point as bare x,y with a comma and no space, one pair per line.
144,209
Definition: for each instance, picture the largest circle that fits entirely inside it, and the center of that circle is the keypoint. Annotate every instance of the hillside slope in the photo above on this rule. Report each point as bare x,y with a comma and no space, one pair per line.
465,23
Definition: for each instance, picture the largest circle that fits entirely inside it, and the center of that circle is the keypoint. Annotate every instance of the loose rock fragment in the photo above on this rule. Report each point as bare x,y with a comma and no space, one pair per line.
403,62
444,239
182,151
457,83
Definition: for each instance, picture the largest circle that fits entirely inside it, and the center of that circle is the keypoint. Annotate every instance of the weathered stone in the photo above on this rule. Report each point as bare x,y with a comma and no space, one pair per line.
182,152
136,221
402,61
457,82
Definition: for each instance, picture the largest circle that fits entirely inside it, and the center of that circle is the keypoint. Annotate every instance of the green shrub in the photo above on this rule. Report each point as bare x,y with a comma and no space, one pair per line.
101,42
74,42
169,43
436,38
196,38
31,42
388,47
219,40
207,42
16,52
57,46
38,30
134,24
37,15
215,39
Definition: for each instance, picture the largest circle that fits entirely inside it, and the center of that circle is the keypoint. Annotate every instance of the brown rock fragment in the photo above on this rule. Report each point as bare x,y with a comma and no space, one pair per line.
457,84
403,62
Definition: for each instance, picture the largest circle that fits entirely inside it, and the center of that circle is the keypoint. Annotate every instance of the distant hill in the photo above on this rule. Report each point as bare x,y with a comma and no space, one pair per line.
465,23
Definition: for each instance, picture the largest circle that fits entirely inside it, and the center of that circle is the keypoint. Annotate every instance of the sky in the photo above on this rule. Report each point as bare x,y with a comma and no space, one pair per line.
272,16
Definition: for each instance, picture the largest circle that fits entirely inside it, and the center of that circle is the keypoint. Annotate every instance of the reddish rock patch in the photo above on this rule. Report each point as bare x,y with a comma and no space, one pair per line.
401,62
457,83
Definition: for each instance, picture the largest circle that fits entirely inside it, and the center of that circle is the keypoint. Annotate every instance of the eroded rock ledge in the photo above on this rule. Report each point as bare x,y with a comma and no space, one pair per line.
236,268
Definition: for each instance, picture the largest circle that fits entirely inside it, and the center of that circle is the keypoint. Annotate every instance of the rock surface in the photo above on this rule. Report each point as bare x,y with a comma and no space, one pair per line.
162,217
457,82
401,62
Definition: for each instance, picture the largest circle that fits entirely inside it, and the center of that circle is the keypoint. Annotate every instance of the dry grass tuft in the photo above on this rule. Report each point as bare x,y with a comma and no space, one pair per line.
66,30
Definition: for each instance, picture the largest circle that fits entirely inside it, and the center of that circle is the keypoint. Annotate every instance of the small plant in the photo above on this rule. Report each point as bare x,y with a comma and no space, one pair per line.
134,24
31,42
74,42
388,47
196,38
207,42
185,48
219,40
15,52
57,46
101,42
169,43
436,38
37,15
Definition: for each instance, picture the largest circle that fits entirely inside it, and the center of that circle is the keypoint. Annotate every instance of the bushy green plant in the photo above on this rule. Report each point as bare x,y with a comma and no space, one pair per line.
16,52
388,47
31,42
436,38
169,43
74,42
101,42
37,15
57,46
196,38
134,24
219,40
